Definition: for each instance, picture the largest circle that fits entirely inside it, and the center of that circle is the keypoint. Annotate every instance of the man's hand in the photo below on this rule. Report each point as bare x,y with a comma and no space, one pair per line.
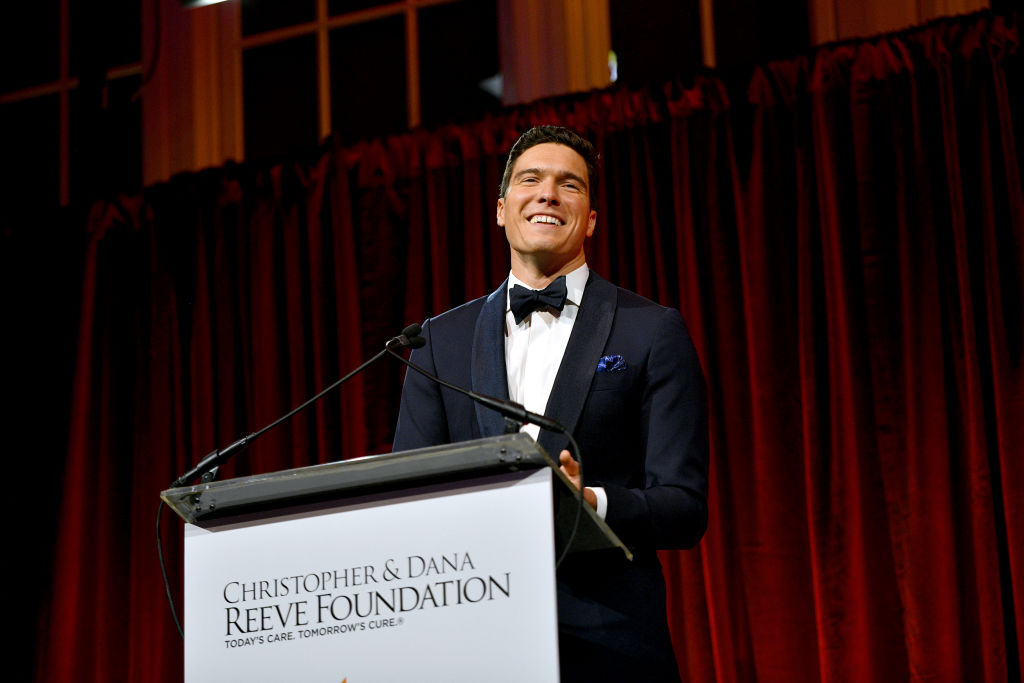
571,468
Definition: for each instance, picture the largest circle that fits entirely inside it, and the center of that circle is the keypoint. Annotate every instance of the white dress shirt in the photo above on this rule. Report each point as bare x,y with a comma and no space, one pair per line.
534,350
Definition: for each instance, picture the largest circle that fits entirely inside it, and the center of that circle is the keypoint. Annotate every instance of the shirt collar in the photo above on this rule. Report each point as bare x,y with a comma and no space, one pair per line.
575,283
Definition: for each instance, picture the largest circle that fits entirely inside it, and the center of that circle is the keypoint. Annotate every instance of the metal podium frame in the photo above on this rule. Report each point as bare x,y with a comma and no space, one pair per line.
214,503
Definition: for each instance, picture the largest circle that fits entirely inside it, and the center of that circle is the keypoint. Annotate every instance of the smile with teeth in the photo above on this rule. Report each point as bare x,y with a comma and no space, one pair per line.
541,218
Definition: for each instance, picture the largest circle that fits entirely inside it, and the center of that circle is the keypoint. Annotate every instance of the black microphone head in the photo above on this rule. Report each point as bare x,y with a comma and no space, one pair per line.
409,339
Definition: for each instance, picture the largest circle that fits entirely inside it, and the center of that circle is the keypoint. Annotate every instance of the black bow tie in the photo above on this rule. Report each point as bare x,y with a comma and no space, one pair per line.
524,301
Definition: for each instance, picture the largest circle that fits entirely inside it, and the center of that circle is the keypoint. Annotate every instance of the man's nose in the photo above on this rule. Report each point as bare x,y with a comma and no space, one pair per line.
549,194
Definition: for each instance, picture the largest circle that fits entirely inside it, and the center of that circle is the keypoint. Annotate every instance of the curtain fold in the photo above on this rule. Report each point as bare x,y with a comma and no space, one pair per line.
846,245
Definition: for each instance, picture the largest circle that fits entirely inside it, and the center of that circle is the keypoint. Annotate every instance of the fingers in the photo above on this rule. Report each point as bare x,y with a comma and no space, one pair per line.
570,466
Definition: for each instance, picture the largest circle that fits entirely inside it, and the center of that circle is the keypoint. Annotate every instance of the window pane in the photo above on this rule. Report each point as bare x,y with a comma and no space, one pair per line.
759,31
106,138
266,15
655,40
105,35
335,7
451,70
30,38
368,79
280,105
29,157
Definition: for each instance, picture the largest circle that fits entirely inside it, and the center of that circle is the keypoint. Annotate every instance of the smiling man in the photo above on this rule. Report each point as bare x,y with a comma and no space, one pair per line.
545,210
616,369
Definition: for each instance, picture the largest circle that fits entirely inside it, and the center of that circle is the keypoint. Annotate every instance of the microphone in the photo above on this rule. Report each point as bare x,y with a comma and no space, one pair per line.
408,339
509,409
512,412
207,467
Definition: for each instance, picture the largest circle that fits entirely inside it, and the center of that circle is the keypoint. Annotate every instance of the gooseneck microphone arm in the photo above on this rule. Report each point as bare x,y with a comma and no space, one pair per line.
510,410
409,338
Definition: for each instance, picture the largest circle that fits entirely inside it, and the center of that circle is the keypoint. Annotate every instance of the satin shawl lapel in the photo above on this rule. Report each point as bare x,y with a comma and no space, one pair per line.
489,374
587,341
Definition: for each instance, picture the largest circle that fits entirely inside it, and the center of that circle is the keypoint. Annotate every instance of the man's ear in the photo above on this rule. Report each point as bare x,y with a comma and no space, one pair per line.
591,223
501,211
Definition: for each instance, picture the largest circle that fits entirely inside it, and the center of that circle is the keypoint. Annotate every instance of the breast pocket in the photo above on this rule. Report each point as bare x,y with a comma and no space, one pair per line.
613,402
620,380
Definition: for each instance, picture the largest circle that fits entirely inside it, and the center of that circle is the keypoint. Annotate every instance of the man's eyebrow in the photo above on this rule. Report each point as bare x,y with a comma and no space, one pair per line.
561,174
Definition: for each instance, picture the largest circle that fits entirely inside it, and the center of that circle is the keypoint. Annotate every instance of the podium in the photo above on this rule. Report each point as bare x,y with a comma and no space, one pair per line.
435,564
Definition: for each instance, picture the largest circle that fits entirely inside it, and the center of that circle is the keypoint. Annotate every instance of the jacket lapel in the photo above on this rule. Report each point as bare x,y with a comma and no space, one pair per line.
586,343
489,375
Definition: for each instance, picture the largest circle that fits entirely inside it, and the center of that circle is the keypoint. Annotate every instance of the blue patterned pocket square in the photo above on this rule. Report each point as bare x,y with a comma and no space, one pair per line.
611,364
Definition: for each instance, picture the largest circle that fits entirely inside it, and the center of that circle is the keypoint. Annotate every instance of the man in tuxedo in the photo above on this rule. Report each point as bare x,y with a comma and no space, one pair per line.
619,371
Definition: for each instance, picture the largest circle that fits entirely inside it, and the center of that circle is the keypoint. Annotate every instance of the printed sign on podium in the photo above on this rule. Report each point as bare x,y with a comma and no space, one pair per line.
430,565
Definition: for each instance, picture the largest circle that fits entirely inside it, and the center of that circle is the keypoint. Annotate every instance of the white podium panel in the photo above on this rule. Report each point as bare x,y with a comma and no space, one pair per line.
436,585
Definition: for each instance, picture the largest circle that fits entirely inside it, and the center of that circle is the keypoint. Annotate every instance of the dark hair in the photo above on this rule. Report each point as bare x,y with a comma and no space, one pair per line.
539,135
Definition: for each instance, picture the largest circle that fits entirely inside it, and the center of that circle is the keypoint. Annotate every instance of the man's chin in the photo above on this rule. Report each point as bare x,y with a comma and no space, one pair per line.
548,261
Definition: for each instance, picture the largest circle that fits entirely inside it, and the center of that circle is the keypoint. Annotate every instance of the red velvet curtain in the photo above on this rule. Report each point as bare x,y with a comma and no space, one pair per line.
847,246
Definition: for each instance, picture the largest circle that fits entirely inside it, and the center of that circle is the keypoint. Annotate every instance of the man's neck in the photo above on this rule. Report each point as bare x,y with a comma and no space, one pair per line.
539,275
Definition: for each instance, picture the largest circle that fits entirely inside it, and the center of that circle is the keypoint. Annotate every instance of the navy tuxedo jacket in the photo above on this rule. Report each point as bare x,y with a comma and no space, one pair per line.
642,430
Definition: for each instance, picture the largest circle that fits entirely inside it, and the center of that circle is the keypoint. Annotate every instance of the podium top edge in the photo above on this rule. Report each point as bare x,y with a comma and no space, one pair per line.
346,478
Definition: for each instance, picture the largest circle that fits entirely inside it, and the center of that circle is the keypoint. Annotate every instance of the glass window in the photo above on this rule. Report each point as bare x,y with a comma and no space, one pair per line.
104,35
106,138
29,38
368,91
280,104
29,156
335,7
452,70
655,40
266,15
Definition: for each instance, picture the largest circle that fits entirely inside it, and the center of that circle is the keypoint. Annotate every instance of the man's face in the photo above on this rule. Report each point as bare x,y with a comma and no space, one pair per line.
546,211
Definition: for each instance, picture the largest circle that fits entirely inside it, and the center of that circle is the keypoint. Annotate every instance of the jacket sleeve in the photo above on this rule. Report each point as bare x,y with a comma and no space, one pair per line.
670,510
421,416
